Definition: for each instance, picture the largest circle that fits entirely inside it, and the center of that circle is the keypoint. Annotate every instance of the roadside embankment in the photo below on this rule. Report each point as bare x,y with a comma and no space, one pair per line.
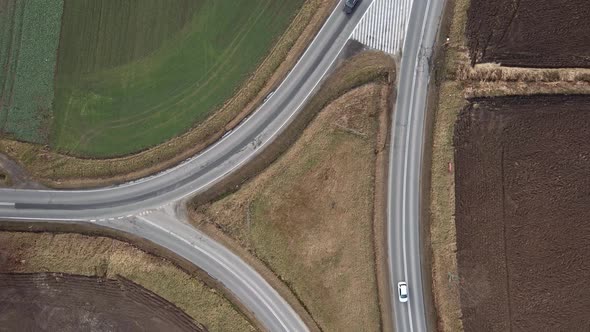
307,212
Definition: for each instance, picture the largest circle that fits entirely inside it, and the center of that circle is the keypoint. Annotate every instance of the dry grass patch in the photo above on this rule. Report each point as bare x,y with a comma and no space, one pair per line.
63,171
449,101
309,216
442,210
493,72
105,257
503,88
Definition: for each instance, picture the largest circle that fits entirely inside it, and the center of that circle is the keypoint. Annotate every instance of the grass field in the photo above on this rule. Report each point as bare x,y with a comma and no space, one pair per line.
105,257
29,36
127,83
56,169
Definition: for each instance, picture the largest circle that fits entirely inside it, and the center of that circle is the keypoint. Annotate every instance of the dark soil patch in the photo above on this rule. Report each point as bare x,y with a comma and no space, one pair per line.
14,175
523,213
60,302
530,33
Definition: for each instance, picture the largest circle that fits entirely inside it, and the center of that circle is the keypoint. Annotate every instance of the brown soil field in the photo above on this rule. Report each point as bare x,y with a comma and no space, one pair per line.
522,211
456,79
64,302
530,33
102,259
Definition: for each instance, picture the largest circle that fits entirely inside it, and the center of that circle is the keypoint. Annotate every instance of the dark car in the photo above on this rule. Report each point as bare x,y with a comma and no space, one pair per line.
349,5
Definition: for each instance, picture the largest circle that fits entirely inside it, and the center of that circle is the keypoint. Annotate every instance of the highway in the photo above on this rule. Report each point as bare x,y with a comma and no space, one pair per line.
405,166
147,207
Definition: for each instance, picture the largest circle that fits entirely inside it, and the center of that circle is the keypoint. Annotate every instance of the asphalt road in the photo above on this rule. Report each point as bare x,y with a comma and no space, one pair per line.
124,207
406,153
139,207
199,173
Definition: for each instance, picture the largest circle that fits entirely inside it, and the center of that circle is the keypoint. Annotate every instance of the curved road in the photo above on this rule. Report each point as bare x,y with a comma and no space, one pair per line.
199,173
146,208
403,209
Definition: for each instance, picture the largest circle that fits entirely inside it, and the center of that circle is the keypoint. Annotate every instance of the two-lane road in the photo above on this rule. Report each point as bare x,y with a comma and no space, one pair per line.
123,207
243,144
403,209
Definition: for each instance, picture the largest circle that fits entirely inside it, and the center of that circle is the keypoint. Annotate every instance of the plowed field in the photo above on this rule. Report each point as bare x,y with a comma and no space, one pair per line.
523,213
530,33
59,302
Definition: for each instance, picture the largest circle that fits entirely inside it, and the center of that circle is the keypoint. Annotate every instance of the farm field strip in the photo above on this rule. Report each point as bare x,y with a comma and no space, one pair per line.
10,29
28,51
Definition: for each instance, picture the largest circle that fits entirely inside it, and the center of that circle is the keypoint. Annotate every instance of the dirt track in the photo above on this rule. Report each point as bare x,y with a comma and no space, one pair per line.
523,213
530,33
60,302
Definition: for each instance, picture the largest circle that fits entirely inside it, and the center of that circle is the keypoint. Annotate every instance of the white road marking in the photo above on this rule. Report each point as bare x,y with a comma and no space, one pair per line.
384,25
43,219
220,262
406,159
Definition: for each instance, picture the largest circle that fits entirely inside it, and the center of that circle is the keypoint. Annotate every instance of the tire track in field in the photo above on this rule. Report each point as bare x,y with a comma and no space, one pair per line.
184,95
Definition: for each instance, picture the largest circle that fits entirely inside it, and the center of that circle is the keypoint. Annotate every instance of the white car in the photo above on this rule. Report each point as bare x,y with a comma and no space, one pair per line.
402,291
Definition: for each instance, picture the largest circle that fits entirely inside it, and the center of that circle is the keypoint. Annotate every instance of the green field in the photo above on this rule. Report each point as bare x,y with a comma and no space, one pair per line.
29,36
133,74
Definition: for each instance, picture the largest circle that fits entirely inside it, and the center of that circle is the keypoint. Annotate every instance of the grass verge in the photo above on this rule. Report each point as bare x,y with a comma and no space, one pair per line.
448,102
105,257
442,209
63,171
309,217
